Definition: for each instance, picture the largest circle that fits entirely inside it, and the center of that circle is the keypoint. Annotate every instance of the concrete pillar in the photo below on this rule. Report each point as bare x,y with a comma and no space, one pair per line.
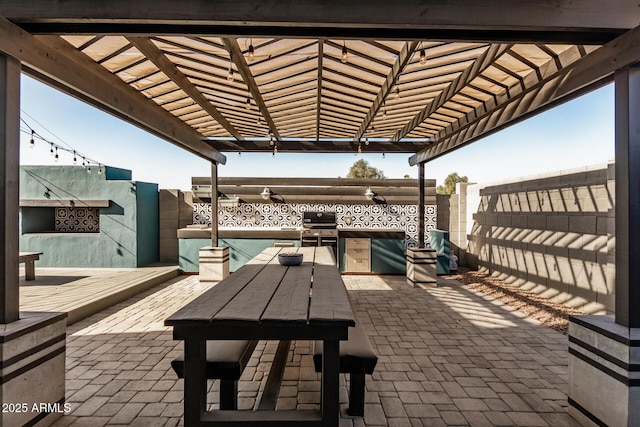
421,267
214,263
604,351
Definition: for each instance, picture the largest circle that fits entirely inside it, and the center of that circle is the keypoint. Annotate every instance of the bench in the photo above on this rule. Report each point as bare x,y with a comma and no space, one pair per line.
357,358
225,361
29,259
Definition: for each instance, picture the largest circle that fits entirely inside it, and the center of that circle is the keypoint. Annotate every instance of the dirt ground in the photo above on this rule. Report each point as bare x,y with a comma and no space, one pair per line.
551,314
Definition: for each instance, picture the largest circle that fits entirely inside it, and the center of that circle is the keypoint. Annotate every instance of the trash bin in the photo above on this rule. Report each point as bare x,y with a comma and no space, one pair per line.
439,241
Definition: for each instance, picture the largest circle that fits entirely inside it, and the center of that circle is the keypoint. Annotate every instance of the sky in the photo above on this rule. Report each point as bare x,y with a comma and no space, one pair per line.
575,134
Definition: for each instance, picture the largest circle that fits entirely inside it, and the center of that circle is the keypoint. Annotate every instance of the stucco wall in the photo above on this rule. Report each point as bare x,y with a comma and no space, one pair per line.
548,233
128,235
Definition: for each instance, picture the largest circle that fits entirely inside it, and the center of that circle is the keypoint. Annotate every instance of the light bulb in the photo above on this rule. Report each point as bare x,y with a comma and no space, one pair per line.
383,156
99,170
423,57
366,141
230,74
271,139
32,143
345,53
88,170
51,151
75,159
251,53
384,113
248,103
359,148
396,94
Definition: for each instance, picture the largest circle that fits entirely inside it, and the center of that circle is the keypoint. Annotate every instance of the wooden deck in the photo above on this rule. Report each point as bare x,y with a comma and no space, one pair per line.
81,292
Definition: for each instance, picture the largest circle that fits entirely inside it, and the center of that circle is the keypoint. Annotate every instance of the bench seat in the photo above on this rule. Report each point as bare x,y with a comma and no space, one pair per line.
226,359
357,358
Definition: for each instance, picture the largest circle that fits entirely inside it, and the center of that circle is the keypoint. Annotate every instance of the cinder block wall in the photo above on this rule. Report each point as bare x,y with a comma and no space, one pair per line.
176,211
551,234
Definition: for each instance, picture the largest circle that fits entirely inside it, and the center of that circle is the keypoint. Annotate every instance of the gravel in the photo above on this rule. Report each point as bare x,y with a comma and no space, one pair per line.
551,314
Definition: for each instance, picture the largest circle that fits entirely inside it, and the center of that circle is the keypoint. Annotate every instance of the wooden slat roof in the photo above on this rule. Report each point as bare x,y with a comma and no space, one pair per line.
297,93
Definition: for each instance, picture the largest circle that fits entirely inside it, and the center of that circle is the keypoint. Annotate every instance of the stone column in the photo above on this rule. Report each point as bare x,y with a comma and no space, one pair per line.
214,263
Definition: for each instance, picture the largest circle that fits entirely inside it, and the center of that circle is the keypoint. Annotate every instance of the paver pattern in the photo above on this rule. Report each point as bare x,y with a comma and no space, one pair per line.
448,357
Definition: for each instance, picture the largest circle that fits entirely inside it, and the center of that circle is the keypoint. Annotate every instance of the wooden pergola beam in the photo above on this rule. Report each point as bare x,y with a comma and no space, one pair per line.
322,146
404,56
590,72
584,19
485,60
155,55
238,59
60,65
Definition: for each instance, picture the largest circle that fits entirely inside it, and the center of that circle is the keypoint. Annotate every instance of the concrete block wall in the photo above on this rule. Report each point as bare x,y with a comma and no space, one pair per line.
552,234
175,212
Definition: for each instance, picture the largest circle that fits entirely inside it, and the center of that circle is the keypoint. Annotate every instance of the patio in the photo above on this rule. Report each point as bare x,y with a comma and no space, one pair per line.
448,356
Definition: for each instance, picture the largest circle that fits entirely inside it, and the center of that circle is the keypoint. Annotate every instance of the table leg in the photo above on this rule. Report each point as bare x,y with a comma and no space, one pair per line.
195,381
29,270
330,383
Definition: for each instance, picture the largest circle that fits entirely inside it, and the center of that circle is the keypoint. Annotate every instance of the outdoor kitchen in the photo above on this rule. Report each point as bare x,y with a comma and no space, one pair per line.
369,223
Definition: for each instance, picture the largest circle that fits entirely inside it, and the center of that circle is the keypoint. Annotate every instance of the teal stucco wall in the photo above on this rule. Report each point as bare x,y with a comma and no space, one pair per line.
240,251
128,235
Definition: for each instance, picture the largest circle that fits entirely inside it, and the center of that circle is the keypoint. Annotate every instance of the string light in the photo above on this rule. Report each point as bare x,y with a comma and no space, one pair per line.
396,94
275,150
271,142
366,141
251,52
248,103
89,170
345,52
383,156
359,148
54,148
423,57
230,73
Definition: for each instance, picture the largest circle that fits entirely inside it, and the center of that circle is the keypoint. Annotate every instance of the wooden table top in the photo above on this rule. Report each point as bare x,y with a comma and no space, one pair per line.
265,294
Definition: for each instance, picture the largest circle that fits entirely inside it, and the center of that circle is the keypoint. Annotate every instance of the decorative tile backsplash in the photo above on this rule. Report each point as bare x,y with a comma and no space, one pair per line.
77,220
286,215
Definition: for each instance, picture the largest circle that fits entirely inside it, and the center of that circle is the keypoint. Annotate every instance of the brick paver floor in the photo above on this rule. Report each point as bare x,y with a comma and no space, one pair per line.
448,357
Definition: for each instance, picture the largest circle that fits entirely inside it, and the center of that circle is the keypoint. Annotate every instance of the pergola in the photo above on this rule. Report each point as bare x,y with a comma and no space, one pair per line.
415,77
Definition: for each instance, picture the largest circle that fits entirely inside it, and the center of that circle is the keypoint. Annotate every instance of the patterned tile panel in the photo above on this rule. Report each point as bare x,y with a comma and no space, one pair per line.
270,215
77,220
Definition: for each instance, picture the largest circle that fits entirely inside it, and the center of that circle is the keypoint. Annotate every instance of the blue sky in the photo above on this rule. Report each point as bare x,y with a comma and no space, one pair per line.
575,134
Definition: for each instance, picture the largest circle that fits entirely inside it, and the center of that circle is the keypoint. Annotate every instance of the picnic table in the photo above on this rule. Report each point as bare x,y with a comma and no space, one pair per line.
29,259
264,300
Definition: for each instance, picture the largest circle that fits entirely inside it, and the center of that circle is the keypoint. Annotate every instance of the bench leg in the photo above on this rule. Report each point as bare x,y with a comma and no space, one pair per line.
228,395
356,395
29,270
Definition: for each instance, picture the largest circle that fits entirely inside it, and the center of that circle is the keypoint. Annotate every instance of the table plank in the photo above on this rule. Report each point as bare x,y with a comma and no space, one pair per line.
203,308
329,302
290,303
249,304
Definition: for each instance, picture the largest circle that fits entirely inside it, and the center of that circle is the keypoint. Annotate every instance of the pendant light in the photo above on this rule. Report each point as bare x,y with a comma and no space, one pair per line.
345,52
251,52
423,57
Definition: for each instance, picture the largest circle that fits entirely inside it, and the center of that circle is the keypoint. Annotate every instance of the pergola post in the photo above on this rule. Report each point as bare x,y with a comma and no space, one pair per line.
22,379
214,259
421,261
9,187
421,205
605,350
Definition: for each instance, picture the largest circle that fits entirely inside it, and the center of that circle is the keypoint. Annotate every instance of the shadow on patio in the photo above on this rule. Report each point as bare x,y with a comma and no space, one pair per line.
448,356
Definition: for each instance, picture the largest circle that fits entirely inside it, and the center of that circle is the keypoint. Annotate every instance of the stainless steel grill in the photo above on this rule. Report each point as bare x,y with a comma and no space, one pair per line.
319,229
